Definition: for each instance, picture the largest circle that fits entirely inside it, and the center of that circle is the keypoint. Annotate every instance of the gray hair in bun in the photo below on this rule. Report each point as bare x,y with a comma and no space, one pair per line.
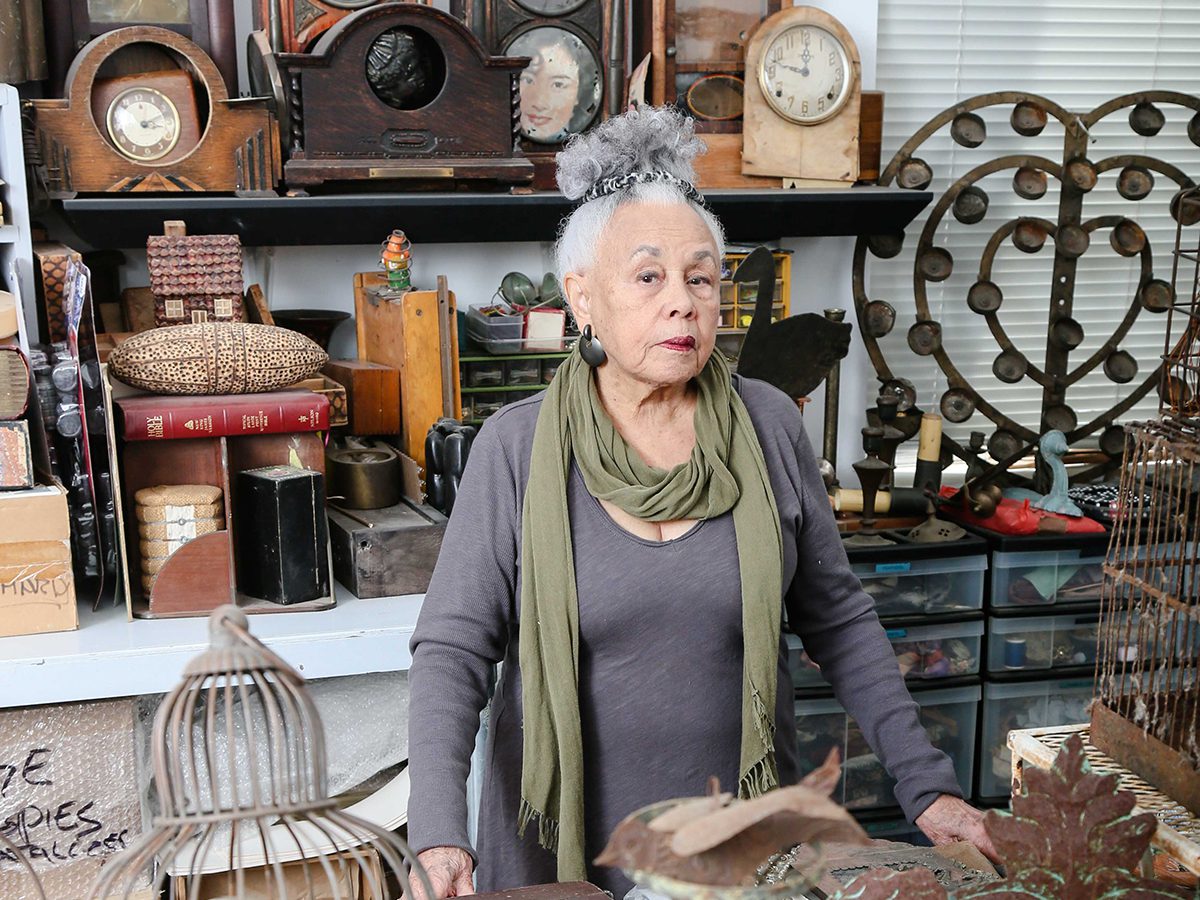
649,139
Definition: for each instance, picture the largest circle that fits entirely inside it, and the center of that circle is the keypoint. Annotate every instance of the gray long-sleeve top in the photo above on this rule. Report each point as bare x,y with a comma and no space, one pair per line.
660,653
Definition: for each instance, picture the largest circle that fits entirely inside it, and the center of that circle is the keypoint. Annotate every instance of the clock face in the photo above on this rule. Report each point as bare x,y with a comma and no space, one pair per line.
143,123
805,74
551,7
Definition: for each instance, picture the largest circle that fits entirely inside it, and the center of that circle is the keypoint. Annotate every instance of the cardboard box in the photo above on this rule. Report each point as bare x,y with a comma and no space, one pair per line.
297,884
71,797
37,586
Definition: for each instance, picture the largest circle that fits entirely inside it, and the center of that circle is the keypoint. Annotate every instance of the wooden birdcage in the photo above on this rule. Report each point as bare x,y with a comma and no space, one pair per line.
1147,712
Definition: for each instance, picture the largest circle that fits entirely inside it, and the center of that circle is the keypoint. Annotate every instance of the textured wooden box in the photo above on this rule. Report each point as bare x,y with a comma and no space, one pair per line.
52,259
395,555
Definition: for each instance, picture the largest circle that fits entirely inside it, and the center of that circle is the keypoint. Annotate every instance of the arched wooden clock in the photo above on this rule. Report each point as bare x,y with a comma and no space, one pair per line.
802,98
163,130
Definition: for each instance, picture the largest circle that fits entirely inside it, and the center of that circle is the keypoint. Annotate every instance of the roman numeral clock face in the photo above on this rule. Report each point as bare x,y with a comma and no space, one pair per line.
805,74
143,123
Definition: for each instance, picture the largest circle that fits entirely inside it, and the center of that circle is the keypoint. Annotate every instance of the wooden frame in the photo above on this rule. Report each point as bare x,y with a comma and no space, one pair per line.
238,150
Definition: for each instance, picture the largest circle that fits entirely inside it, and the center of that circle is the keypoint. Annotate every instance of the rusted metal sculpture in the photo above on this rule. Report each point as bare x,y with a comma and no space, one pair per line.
713,847
1069,235
1070,837
234,826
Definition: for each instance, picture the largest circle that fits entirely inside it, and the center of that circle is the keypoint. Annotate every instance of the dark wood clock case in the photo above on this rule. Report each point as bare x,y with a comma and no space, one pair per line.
341,127
236,152
71,24
293,26
599,24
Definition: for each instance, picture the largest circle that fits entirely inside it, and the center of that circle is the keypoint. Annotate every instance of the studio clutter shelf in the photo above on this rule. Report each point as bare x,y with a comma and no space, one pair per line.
431,218
112,657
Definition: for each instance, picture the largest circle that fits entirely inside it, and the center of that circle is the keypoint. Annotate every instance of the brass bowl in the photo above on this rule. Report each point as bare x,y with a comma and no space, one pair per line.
1029,236
1127,238
936,263
1080,173
879,318
885,246
1156,295
984,297
1010,367
1072,241
970,206
1146,119
957,405
1029,183
968,130
914,175
1028,119
1135,182
1120,367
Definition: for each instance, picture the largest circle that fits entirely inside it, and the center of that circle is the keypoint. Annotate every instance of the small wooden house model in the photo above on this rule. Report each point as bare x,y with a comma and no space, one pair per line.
195,279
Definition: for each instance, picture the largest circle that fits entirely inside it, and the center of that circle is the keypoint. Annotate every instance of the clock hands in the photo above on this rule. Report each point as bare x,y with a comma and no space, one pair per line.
803,70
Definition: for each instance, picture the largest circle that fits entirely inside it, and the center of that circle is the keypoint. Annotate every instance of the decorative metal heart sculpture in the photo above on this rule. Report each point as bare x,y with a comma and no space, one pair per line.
1069,236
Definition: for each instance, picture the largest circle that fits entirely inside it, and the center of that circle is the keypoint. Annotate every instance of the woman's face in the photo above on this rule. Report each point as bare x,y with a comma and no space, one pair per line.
549,90
652,296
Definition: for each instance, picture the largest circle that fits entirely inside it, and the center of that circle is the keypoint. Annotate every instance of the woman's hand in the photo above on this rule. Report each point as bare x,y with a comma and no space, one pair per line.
949,819
449,870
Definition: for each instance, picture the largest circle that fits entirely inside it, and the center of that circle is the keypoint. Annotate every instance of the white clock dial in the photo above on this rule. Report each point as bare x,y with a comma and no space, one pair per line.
805,74
143,123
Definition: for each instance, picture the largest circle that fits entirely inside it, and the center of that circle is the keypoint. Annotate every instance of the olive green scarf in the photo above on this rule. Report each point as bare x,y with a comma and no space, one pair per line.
726,471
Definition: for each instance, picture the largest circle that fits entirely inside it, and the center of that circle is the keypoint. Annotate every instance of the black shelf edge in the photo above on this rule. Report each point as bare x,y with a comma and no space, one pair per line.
436,218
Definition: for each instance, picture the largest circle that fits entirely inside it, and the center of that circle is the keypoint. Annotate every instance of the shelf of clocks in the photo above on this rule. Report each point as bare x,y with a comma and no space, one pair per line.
435,218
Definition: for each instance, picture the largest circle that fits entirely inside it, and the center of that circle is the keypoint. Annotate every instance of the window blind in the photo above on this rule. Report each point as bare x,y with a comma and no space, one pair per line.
1078,53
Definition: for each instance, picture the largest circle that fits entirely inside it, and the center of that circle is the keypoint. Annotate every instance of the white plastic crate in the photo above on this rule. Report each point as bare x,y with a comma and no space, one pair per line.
949,715
923,652
924,586
1045,577
1027,704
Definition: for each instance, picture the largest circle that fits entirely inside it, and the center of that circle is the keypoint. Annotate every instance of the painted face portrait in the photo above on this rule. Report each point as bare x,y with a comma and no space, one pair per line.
560,88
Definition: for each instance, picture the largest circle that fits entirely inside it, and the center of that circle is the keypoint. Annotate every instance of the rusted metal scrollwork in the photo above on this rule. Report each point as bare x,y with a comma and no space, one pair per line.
1069,236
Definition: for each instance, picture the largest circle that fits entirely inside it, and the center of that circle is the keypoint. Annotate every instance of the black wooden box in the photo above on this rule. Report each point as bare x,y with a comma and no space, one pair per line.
282,540
394,557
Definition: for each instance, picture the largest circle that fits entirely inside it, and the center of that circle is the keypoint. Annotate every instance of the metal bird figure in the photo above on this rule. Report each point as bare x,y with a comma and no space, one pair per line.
794,354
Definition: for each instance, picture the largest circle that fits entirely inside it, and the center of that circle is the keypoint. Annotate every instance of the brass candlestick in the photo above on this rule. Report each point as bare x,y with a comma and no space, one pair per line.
887,407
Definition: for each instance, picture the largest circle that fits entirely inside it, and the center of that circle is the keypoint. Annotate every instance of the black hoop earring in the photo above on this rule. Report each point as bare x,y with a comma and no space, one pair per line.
590,348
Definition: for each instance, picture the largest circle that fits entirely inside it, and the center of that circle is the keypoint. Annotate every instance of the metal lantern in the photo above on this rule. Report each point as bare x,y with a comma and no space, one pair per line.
244,806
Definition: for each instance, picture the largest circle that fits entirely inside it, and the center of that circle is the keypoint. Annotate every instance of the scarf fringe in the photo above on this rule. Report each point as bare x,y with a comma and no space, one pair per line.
547,827
762,776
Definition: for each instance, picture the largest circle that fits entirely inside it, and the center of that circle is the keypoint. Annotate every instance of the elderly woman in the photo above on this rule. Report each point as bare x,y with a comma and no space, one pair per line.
630,545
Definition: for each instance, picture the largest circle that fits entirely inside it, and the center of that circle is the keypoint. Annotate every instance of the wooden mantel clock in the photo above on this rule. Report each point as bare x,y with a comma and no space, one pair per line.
802,99
170,129
401,92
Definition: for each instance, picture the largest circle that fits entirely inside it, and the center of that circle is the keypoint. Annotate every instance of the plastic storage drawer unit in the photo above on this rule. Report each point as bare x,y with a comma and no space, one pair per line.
923,586
1042,642
923,652
1045,577
948,714
1015,706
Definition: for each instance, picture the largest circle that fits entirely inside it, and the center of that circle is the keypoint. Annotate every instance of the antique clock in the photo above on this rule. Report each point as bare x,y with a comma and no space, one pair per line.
162,130
697,51
70,24
399,92
575,73
803,95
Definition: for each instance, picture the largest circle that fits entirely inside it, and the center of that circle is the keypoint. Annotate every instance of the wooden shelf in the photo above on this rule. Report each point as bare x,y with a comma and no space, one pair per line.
748,215
110,656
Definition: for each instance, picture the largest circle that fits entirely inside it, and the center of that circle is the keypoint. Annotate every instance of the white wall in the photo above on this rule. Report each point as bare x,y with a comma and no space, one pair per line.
321,276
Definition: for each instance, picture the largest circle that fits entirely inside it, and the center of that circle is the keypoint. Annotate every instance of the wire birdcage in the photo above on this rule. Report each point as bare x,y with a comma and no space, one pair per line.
1147,712
241,776
1179,393
32,888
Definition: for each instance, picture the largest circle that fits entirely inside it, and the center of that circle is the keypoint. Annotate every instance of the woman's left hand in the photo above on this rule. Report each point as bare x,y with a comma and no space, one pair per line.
948,819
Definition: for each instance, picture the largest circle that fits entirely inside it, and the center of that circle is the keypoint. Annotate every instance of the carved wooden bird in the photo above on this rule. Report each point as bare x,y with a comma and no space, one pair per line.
794,354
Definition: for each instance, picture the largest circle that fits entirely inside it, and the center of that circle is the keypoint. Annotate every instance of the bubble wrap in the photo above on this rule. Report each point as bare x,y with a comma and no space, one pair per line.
69,795
365,719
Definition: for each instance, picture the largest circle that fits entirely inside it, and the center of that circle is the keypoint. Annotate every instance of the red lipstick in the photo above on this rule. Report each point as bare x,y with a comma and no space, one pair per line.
682,344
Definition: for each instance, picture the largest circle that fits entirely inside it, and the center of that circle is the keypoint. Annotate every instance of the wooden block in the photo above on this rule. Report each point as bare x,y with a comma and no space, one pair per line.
721,166
137,305
870,136
386,552
372,395
402,331
335,393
